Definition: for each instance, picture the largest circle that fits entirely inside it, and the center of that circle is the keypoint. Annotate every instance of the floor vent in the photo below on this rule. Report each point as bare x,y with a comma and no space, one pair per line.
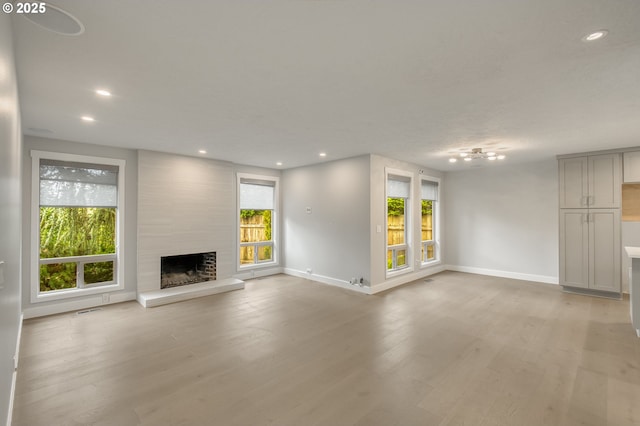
86,311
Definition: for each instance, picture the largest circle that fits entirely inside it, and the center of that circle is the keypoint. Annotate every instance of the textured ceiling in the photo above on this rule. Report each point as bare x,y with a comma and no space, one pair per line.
256,82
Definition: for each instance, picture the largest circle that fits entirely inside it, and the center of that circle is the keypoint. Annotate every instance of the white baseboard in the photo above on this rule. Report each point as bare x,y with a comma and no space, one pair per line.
14,376
257,273
504,274
406,278
75,305
327,280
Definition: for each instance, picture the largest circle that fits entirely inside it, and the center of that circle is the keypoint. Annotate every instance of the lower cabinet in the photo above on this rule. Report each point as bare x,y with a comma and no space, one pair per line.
590,249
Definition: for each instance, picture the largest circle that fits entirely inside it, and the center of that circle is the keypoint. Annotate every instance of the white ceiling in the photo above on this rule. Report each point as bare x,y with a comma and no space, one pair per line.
256,82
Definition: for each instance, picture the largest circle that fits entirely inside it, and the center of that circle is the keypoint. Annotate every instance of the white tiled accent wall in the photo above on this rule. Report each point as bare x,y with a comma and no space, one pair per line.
185,205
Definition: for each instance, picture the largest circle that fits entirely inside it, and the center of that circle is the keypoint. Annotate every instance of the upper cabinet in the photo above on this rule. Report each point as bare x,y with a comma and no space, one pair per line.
590,182
631,167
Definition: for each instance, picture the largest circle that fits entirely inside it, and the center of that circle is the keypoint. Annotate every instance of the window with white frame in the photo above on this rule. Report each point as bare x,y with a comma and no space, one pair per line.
77,203
429,199
257,219
398,215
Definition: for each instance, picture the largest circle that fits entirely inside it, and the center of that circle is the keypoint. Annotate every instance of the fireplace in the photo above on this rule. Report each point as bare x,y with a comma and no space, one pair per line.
187,269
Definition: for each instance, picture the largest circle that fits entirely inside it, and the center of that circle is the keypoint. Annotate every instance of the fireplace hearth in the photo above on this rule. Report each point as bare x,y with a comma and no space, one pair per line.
187,269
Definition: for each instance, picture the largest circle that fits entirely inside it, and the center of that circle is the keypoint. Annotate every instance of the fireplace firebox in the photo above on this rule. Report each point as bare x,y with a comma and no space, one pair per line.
187,269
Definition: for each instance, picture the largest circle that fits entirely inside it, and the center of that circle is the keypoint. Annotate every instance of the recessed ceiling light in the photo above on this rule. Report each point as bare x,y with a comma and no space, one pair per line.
279,163
467,158
596,35
452,160
323,154
463,154
88,118
57,20
501,157
202,151
103,92
491,154
491,158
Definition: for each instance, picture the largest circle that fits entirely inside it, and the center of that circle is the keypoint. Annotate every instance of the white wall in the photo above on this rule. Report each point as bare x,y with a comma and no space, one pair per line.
503,220
378,249
185,205
10,213
333,240
130,264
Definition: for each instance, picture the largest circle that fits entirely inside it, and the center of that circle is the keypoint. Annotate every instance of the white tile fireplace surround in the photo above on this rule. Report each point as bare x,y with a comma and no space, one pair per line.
185,205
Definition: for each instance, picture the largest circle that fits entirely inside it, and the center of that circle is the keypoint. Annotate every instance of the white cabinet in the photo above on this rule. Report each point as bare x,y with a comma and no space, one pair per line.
590,249
590,198
634,287
574,248
590,181
631,167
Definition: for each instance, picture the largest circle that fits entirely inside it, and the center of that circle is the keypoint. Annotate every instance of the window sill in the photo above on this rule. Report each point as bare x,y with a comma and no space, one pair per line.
258,266
397,272
72,293
430,264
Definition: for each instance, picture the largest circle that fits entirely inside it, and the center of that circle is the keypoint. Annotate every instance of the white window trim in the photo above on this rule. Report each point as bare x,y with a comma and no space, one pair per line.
437,219
275,229
91,289
408,226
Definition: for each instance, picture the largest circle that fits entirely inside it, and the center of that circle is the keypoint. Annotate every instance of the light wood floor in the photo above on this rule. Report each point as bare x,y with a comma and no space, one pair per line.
456,349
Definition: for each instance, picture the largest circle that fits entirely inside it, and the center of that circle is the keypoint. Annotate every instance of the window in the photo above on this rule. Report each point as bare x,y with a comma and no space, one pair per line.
257,219
398,208
429,195
76,207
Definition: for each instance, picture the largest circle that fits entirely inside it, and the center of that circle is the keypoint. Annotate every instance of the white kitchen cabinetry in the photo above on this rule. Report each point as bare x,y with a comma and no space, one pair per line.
590,193
590,249
631,167
590,182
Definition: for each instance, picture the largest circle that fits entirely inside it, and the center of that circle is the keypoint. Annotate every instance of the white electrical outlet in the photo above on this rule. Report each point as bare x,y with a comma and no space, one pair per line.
1,274
308,270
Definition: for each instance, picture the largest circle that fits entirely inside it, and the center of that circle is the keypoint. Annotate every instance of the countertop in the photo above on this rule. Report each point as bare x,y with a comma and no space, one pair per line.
633,252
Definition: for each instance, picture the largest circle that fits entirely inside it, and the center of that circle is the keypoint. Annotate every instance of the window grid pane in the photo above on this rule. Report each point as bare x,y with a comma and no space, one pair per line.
58,276
396,232
255,225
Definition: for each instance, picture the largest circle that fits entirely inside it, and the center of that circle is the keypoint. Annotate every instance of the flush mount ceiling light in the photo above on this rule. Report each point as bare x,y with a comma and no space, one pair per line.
279,163
202,151
596,35
478,154
88,118
56,20
323,154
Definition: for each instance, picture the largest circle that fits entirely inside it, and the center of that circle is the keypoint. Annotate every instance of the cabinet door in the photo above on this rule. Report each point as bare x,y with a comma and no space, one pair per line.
631,167
604,181
573,176
604,250
574,248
